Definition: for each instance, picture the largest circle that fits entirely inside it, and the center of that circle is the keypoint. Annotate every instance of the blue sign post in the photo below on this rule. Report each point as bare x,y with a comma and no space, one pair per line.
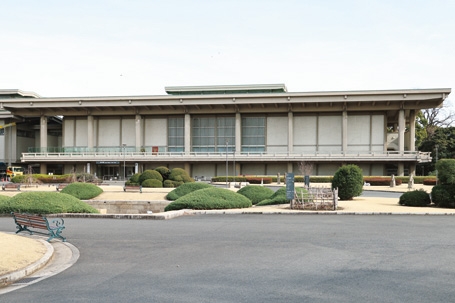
290,186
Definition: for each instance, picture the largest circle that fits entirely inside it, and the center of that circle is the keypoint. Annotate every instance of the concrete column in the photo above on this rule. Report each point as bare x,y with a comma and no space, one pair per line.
238,168
43,133
412,169
238,133
344,128
187,168
400,171
187,134
90,131
401,129
43,168
290,132
138,120
412,131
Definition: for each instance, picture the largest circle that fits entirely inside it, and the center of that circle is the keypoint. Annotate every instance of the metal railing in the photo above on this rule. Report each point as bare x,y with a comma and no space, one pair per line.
131,154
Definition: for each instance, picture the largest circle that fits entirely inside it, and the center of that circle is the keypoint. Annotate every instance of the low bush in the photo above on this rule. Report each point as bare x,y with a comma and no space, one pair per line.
135,178
279,197
18,179
45,203
381,181
229,179
185,189
256,193
429,181
259,180
150,174
210,198
83,191
443,195
3,199
54,178
179,174
152,183
164,172
415,198
172,184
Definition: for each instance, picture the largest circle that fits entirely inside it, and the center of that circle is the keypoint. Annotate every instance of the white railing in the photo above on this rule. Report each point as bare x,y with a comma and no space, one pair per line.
210,156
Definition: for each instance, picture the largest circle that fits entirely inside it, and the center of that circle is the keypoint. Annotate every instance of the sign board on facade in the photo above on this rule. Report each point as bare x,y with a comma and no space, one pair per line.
290,186
107,162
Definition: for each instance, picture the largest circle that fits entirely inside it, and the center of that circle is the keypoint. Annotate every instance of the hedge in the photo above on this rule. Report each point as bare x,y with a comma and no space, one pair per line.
415,198
210,198
381,181
152,183
256,193
83,191
185,189
45,203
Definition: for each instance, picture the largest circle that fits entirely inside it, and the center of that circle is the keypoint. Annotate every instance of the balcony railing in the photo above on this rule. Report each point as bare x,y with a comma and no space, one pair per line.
157,156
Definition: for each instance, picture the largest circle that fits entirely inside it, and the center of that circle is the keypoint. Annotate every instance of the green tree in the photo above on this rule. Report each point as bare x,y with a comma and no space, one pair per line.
349,181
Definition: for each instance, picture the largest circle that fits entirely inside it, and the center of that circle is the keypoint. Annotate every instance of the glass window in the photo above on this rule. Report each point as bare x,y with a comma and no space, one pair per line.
253,134
210,134
176,134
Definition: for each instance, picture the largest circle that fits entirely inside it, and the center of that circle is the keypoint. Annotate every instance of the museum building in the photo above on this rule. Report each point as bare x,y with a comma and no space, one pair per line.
213,130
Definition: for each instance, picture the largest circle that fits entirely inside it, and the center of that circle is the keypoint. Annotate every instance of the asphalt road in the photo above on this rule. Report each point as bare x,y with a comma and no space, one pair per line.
254,258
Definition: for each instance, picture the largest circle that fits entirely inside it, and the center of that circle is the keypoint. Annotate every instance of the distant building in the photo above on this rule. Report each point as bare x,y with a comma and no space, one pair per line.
246,129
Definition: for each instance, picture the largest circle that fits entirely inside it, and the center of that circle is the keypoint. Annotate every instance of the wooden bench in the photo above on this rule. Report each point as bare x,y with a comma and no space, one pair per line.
133,188
61,186
11,186
26,221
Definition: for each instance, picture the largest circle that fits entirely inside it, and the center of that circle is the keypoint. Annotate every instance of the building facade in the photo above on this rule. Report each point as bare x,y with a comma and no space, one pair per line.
217,130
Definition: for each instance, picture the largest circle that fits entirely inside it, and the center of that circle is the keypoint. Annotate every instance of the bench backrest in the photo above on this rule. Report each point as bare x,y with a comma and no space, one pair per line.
31,220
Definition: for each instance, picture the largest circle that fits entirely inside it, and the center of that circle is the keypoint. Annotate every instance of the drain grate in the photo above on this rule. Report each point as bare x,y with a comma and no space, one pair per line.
26,280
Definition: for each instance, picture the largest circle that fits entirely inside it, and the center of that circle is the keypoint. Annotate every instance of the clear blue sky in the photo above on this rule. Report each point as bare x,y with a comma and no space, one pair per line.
115,47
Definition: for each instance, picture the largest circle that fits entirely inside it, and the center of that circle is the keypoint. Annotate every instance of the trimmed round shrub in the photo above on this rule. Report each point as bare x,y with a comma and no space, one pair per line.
279,197
210,198
256,193
152,183
349,181
135,178
83,191
3,200
185,189
415,198
443,195
179,174
164,172
45,203
150,174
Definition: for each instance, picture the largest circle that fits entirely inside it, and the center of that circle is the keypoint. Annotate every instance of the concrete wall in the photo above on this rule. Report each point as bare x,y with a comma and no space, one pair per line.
275,168
128,132
207,170
155,132
305,134
277,135
329,133
129,207
109,132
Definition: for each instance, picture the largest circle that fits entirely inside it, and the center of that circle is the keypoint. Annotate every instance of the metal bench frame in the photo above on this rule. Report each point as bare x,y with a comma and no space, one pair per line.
26,221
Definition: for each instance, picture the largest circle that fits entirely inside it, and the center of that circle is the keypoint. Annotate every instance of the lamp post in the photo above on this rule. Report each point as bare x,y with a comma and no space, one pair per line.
227,167
124,162
437,146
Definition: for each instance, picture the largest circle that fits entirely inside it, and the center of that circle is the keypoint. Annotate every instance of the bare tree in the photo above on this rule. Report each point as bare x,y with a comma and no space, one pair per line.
306,168
431,119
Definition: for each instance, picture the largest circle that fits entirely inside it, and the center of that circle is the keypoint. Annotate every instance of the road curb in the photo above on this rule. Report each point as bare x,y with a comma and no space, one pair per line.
14,276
